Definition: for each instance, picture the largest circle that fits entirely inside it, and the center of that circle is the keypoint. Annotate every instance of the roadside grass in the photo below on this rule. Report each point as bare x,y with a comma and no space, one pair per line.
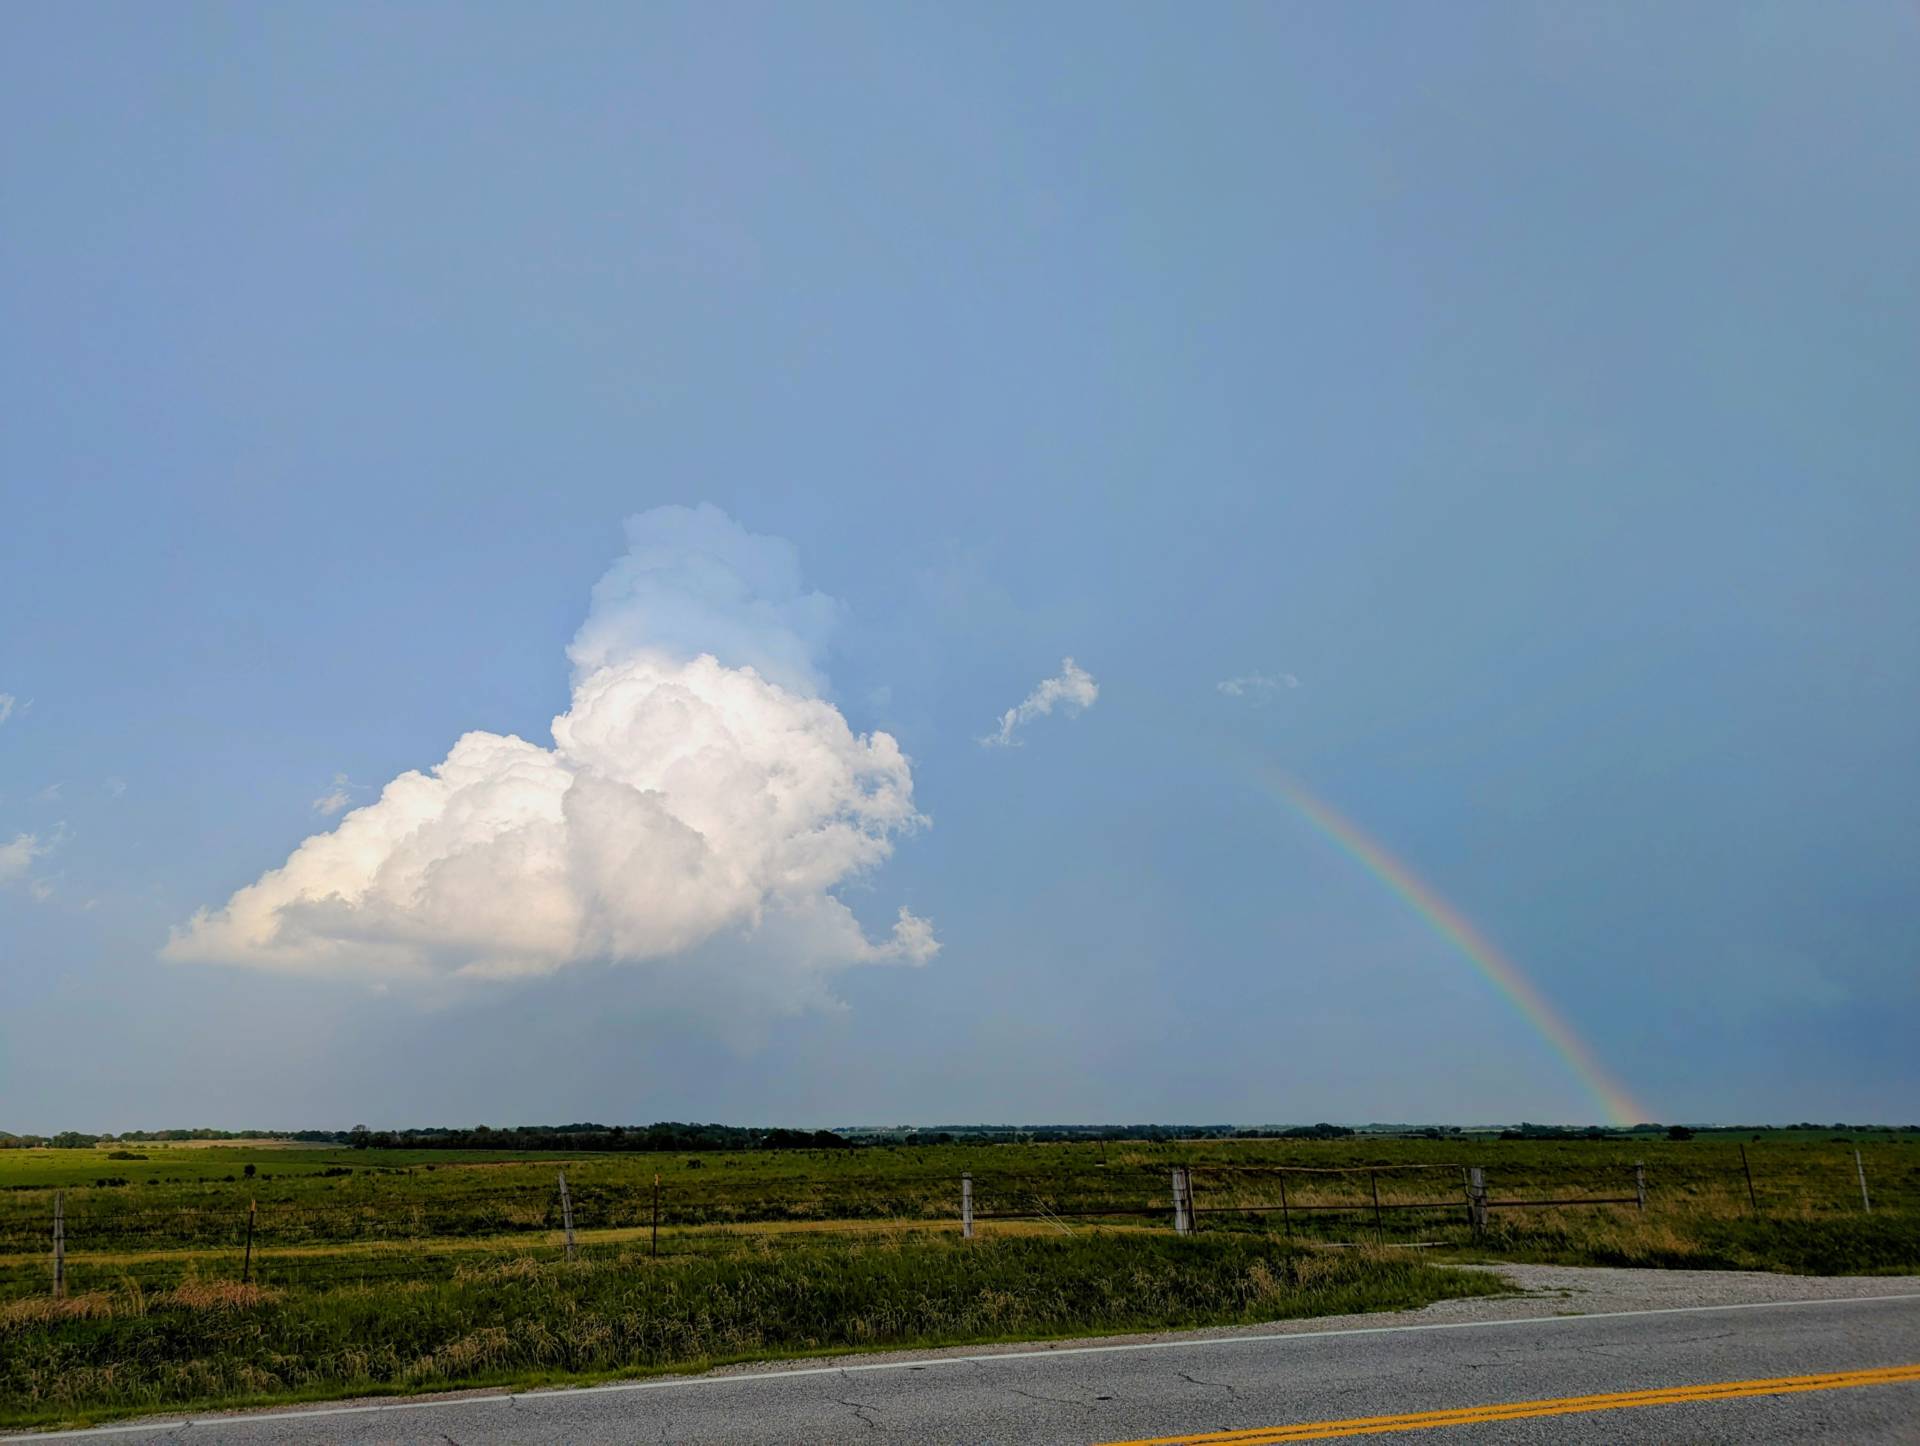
1797,1242
521,1319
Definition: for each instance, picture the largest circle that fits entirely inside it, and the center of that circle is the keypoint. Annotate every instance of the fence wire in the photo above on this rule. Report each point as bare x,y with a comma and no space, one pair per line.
378,1234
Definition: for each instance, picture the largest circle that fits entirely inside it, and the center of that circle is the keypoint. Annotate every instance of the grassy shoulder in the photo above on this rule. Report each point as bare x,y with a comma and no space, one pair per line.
1803,1243
520,1320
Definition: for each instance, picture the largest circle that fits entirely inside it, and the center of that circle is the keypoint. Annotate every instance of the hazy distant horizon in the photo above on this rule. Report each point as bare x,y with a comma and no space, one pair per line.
1362,1127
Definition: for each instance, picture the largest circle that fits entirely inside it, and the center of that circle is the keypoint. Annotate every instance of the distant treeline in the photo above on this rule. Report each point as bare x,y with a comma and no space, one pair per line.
673,1135
79,1140
665,1135
1095,1134
676,1136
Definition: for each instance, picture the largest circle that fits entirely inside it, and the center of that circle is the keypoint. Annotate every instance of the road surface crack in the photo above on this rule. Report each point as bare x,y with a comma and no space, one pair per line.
861,1409
1053,1400
1196,1381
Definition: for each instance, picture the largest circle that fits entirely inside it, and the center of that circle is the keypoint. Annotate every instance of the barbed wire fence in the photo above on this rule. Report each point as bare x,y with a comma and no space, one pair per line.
376,1239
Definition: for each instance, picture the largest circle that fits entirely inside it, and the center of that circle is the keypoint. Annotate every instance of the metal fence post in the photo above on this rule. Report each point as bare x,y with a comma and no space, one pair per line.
1286,1215
566,1213
246,1266
1861,1170
1379,1235
966,1205
1752,1199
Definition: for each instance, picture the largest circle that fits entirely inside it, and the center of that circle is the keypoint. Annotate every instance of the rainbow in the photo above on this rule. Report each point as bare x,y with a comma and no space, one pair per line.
1451,925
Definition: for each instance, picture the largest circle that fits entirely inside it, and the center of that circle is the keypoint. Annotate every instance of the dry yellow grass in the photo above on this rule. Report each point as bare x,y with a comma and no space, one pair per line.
216,1295
131,1301
45,1310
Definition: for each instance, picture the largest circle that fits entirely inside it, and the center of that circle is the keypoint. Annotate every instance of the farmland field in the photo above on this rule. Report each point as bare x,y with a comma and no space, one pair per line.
391,1270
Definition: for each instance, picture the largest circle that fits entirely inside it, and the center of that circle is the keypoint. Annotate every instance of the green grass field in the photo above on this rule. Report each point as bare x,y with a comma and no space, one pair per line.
378,1271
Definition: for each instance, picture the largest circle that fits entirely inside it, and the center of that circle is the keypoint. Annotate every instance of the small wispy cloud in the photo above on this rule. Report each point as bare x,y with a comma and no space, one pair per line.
338,798
114,787
51,793
41,889
7,700
1073,691
1257,686
17,857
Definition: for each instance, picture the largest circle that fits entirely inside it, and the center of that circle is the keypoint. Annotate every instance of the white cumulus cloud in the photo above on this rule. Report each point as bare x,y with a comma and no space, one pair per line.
1073,691
697,807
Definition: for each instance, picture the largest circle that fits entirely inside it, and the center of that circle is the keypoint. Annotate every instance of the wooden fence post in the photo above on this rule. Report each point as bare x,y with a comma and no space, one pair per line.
1477,1200
656,1213
566,1213
59,1244
246,1266
966,1205
1181,1224
1640,1184
1379,1235
1861,1170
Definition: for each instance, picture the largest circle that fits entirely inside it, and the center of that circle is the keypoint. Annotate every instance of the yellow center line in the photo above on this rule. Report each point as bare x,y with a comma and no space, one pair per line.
1522,1410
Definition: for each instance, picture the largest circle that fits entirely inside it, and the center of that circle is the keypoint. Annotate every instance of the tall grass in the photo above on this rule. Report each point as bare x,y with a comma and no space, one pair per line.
517,1318
1799,1242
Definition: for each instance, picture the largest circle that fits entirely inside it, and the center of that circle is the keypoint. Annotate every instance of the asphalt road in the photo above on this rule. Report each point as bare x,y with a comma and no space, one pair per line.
1711,1373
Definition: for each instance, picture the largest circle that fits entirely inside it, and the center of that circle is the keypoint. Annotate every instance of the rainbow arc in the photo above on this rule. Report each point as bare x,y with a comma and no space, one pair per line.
1453,926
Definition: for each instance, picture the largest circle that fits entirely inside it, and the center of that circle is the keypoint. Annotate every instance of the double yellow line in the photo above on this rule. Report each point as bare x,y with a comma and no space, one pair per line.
1523,1410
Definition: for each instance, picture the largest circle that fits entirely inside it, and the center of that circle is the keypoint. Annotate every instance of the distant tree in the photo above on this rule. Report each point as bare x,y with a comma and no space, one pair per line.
1679,1132
248,1172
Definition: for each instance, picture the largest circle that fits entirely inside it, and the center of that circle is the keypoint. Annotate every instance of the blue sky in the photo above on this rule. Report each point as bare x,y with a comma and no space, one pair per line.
1535,388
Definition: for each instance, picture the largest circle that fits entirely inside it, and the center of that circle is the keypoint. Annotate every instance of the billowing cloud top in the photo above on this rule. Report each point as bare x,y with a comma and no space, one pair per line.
693,581
699,796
